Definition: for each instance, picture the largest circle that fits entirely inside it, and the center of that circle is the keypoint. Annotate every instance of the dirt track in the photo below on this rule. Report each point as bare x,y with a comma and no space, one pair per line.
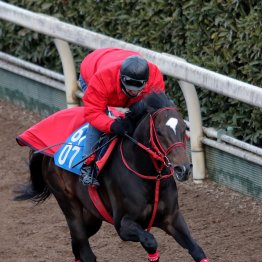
226,224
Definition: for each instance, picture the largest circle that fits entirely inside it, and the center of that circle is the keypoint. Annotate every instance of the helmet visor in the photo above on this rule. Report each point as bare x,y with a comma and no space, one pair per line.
132,84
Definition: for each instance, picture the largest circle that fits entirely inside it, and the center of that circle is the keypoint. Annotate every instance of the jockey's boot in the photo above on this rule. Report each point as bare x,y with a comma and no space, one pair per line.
87,176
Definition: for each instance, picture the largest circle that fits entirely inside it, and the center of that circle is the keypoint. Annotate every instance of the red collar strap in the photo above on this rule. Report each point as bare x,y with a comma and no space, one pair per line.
156,178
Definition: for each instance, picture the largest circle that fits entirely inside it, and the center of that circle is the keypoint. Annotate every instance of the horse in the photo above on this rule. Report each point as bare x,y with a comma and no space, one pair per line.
137,185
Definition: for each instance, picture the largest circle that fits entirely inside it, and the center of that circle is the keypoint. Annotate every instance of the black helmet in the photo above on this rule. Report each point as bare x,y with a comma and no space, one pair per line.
134,73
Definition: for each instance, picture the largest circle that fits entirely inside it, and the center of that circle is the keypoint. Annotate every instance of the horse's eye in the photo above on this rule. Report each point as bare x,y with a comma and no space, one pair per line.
159,132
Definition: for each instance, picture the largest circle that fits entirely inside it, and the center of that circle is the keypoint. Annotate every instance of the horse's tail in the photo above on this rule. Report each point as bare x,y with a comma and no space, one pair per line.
36,189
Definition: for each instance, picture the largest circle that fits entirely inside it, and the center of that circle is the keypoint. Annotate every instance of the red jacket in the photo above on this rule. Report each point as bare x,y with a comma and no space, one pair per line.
101,71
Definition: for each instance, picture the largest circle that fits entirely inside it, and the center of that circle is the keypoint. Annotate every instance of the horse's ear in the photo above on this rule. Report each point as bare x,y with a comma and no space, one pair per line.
152,102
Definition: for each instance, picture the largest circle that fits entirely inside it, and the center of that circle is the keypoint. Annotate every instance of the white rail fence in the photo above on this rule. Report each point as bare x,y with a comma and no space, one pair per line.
187,75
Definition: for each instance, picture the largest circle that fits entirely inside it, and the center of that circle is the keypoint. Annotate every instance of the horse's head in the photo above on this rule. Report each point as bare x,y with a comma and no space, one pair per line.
166,130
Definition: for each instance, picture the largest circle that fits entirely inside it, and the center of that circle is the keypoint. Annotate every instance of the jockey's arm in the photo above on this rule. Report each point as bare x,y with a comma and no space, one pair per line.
95,103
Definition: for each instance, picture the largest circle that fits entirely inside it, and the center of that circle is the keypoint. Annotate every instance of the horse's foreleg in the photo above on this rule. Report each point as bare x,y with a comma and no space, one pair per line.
177,227
131,231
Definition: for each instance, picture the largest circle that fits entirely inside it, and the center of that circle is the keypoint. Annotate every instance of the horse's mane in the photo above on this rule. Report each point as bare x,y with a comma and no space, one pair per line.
155,101
151,103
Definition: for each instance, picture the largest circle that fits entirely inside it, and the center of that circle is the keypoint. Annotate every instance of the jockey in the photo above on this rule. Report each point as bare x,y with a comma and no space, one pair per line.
118,78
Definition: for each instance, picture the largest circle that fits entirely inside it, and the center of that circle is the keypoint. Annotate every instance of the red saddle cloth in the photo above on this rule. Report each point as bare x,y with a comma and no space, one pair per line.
53,130
49,134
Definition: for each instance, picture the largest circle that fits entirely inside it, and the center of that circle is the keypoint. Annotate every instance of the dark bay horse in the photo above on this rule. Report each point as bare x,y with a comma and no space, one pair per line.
137,185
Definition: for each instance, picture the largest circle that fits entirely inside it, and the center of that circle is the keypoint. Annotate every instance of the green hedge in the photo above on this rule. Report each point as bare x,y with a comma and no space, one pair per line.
222,35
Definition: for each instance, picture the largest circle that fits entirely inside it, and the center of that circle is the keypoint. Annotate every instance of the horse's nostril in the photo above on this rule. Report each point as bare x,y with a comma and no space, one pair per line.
183,168
179,169
183,172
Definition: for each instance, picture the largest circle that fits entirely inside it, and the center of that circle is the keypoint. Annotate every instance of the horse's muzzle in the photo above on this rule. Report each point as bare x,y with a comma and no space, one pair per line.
182,172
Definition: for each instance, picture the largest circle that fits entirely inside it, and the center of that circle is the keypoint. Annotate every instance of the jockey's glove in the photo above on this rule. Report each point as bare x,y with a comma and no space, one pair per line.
122,126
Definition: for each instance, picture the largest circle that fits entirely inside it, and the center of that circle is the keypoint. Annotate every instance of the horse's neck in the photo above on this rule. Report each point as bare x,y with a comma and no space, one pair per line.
139,158
142,132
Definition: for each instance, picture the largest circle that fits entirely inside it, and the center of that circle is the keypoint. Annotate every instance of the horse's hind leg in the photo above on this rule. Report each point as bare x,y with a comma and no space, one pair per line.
91,225
81,224
177,227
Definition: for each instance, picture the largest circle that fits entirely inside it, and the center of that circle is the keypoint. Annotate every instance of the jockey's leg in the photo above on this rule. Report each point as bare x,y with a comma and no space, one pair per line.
131,231
177,227
88,175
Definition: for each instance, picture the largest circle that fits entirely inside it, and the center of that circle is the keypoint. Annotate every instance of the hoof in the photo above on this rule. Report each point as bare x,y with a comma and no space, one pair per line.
204,260
153,257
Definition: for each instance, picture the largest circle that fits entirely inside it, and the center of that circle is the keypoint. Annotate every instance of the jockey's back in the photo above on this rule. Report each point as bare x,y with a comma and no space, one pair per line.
102,58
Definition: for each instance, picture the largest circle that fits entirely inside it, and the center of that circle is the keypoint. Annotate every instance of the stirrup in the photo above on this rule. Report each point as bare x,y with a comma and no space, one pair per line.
88,178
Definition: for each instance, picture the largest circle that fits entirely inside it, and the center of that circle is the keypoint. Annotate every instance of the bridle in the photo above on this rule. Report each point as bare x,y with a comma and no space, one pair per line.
158,154
157,146
159,157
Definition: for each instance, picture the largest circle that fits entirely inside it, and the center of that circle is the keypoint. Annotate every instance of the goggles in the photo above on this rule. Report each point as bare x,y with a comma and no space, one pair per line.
132,84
